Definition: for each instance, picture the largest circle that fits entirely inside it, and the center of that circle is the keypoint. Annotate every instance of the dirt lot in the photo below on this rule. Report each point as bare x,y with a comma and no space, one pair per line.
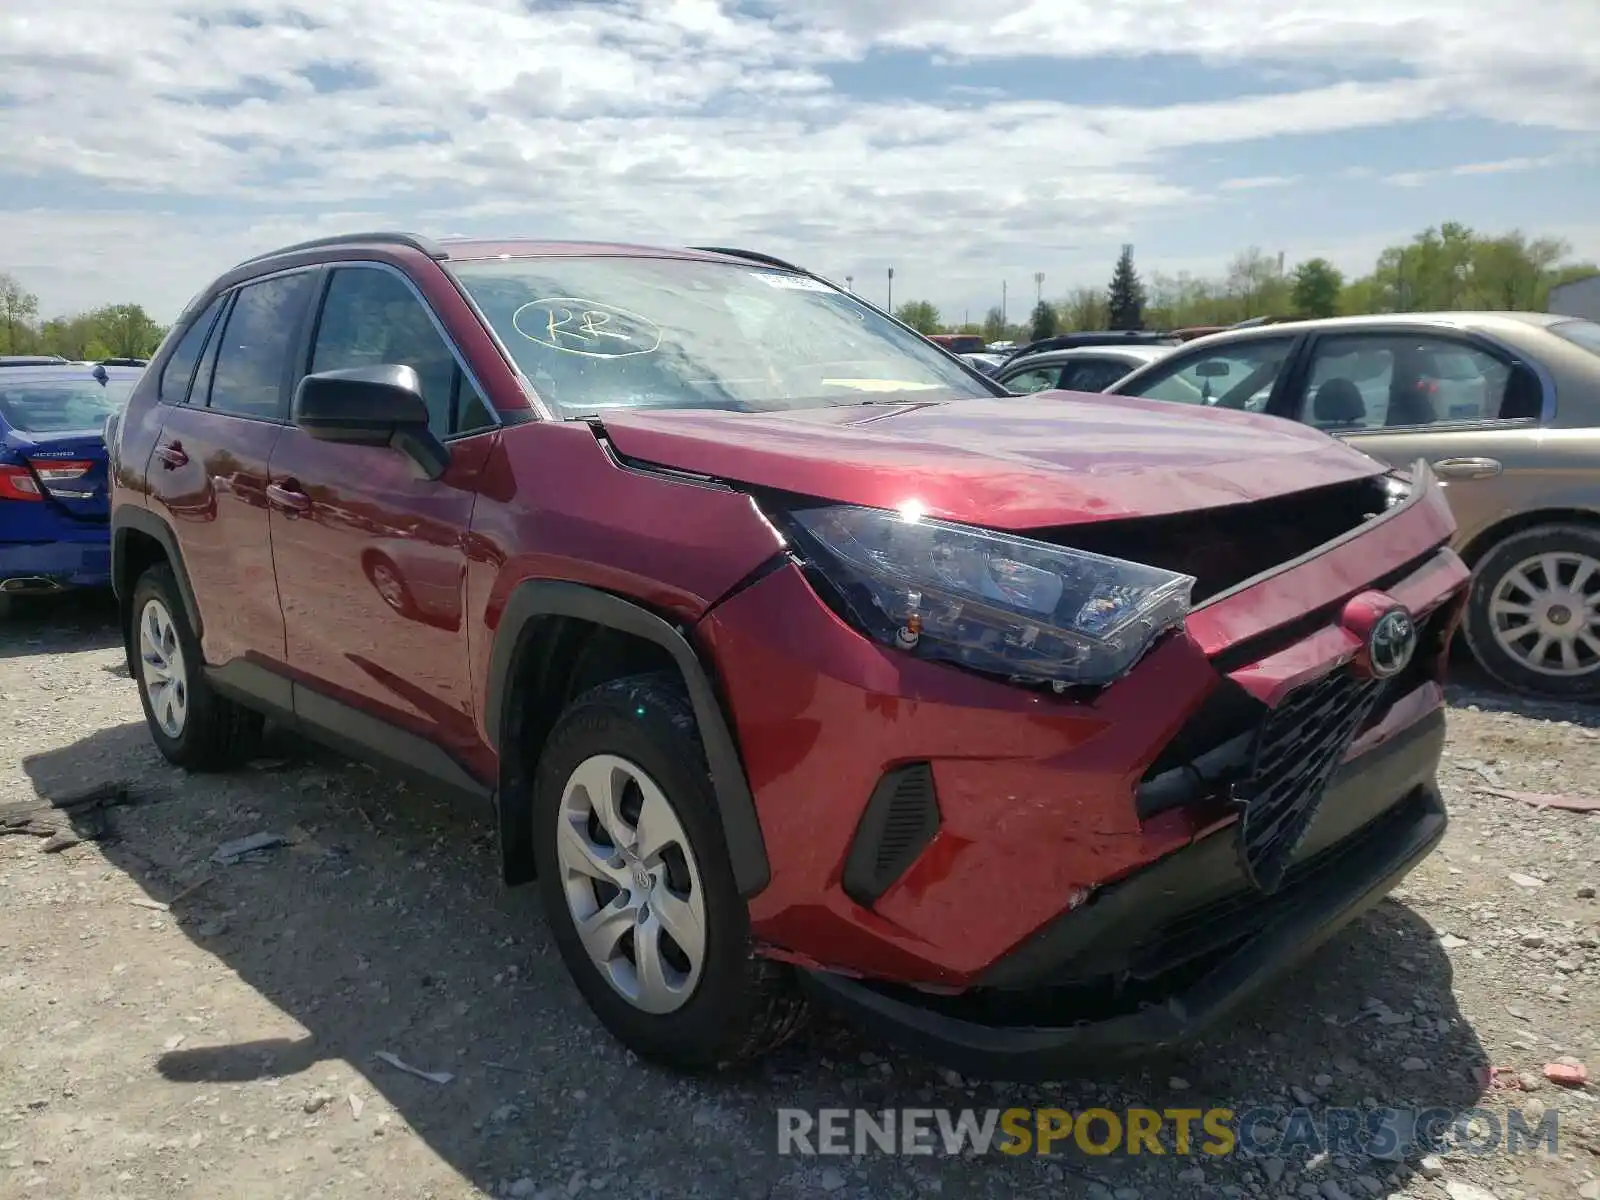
226,1047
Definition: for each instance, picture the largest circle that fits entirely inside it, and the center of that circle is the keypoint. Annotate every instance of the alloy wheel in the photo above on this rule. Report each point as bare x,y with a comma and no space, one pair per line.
165,678
1546,613
631,883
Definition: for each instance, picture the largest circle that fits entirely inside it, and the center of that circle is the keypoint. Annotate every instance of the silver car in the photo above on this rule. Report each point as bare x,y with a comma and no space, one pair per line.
1079,369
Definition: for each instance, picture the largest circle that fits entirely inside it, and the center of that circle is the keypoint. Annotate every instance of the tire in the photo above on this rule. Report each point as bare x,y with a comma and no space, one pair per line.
732,1007
1568,549
210,732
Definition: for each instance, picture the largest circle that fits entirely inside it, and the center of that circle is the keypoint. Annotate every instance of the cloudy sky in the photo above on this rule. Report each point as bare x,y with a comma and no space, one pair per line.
147,144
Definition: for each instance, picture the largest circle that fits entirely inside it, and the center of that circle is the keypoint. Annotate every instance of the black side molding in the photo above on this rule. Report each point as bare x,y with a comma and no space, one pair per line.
533,599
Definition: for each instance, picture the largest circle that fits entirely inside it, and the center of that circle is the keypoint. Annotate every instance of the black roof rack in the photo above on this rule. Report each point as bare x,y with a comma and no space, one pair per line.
31,360
122,362
755,256
382,237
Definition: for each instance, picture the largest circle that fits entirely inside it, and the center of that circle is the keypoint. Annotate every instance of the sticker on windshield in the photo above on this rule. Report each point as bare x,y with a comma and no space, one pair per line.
587,327
792,283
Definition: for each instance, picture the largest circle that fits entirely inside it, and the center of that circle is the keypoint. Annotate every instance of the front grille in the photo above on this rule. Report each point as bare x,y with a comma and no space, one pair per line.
1230,715
1224,922
1296,751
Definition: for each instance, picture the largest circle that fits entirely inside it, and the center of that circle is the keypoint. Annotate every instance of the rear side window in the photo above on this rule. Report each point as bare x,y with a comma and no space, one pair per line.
1040,379
1384,381
1093,374
254,348
179,371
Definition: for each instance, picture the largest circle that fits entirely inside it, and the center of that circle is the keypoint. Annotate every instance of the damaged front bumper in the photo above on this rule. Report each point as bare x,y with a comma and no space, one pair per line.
1186,939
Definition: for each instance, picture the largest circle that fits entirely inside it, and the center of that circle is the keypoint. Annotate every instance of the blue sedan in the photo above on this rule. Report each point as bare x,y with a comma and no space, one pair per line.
53,494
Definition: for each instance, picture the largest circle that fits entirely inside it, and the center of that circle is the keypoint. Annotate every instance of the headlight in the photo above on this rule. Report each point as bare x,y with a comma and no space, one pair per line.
990,601
1396,487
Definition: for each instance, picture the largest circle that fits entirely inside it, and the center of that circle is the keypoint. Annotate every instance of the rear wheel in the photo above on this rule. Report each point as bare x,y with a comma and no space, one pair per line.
1533,620
192,725
637,887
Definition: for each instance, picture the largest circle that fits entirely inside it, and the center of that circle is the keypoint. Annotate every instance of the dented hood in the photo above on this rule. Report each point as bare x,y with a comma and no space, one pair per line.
1051,458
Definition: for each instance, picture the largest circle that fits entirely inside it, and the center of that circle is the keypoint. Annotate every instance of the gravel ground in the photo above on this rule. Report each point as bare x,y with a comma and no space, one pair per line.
225,1045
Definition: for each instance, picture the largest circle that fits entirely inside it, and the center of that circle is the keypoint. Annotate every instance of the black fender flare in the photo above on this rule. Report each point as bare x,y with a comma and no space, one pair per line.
536,598
129,517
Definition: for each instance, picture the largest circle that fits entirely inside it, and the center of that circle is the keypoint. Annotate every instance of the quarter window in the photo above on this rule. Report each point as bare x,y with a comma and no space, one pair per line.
178,372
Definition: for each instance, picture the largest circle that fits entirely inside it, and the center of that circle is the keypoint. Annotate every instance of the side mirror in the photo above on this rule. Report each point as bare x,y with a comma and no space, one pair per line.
1211,369
371,406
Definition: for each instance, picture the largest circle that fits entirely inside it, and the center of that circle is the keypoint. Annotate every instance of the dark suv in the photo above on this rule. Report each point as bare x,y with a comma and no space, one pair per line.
795,656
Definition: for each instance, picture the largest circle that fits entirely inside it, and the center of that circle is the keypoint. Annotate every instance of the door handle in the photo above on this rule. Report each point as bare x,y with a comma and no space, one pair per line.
171,455
1466,468
288,499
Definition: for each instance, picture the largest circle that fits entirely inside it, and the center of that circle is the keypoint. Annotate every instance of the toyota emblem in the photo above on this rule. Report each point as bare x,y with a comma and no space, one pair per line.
1391,643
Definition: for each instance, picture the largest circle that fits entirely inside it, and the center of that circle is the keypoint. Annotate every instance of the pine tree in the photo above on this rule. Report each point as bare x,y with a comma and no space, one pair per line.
1045,321
1125,297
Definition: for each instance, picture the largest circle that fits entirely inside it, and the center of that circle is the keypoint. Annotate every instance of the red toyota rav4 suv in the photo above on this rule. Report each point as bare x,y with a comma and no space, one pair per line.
795,657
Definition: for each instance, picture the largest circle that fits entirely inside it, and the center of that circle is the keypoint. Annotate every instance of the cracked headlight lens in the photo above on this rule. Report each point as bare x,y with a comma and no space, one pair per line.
993,602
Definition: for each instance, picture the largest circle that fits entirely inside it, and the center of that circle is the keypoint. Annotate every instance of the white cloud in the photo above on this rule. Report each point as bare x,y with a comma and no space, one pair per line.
1250,183
686,120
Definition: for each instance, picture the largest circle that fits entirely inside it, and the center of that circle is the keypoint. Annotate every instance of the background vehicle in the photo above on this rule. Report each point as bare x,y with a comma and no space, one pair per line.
787,648
1102,337
1086,369
1506,407
959,343
987,363
53,506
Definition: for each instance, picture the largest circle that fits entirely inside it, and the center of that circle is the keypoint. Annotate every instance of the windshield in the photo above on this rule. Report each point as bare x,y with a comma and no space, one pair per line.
1579,333
61,405
601,333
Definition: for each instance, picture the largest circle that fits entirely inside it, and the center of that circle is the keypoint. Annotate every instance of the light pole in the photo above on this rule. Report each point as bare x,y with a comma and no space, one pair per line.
1038,282
850,284
891,290
1003,322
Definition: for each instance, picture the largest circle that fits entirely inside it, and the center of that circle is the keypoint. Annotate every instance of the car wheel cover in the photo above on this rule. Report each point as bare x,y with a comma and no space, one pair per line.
631,883
162,670
1545,613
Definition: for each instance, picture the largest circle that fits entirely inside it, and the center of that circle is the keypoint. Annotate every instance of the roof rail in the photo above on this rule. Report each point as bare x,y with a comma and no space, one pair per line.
755,256
31,360
383,237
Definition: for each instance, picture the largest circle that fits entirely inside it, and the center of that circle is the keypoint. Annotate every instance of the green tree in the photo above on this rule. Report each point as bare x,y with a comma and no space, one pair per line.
126,329
1125,297
1317,287
1045,321
18,310
994,325
1085,309
920,315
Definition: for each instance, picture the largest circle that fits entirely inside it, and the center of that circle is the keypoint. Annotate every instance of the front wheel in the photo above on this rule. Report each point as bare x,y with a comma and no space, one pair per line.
1533,618
636,884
